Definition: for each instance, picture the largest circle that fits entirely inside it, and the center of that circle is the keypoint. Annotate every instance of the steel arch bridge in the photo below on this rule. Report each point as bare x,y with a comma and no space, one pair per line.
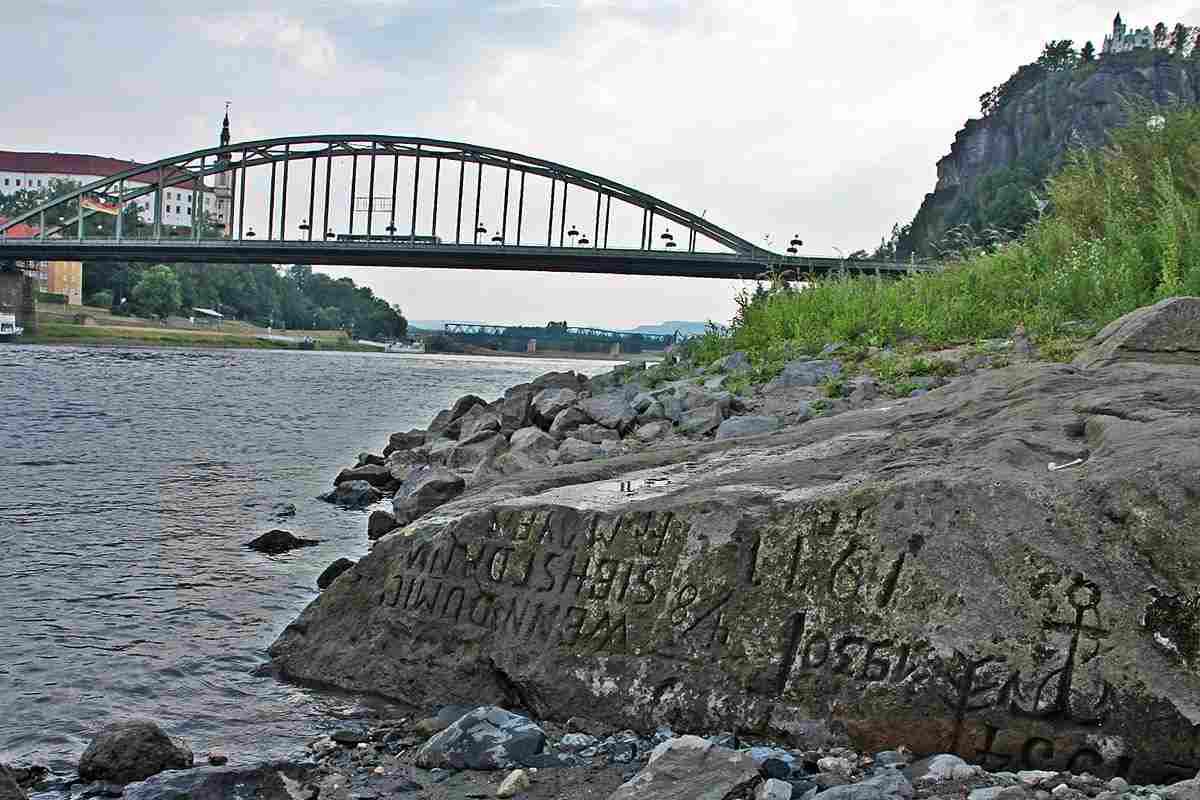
62,229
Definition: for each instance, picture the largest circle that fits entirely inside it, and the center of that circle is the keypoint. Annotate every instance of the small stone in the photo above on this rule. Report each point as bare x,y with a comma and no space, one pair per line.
574,742
804,411
775,768
379,771
514,783
1032,777
837,766
437,774
276,542
217,759
347,737
1118,784
773,789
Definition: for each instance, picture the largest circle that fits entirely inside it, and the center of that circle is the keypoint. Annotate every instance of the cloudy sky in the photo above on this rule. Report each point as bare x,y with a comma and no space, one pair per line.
772,116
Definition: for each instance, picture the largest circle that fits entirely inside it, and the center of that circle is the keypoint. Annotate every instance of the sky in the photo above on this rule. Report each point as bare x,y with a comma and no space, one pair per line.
772,117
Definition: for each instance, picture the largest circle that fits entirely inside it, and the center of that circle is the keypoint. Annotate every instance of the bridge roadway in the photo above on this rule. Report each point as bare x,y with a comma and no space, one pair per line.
584,260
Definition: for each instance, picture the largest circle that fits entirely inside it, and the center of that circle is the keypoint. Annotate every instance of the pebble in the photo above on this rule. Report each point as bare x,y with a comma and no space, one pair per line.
216,759
773,789
835,765
775,768
514,783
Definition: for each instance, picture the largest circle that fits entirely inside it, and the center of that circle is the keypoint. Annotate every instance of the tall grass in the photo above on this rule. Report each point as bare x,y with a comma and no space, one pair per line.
1122,231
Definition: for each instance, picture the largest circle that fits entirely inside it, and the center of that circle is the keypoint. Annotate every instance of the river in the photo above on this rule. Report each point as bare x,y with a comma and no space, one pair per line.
130,480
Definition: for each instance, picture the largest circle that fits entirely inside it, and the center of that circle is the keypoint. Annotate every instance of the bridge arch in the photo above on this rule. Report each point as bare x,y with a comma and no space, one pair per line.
189,169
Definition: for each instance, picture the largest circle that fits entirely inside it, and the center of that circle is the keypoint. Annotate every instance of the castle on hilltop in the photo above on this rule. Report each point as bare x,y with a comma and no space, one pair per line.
1122,40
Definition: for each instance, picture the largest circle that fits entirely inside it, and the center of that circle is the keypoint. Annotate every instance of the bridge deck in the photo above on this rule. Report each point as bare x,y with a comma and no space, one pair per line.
447,256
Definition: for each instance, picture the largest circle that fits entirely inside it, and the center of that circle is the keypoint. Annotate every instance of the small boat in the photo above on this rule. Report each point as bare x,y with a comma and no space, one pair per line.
9,329
413,346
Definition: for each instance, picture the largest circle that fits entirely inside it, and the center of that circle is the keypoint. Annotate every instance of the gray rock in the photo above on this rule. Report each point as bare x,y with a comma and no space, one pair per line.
596,434
999,793
479,427
653,412
274,781
1183,790
532,440
804,373
133,750
276,542
701,420
401,462
773,789
572,450
736,361
568,420
549,402
516,412
653,430
805,411
381,523
486,738
641,402
560,380
404,441
611,411
424,492
864,391
471,454
892,783
1167,332
9,788
443,423
855,791
375,474
435,450
353,494
690,768
748,426
944,767
367,459
330,574
890,587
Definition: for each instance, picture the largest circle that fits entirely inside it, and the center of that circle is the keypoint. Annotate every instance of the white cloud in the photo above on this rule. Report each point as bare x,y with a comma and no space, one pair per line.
296,41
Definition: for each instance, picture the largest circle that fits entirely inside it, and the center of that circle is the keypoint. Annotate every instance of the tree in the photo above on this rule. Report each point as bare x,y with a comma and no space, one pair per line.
1160,35
101,299
1088,53
158,292
1196,46
1058,54
1179,38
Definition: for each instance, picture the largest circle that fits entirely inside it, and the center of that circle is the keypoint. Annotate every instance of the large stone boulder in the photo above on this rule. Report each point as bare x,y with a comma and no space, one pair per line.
690,768
532,440
479,427
133,750
701,421
405,441
275,781
611,411
549,402
572,450
331,573
567,421
926,574
1167,332
425,491
485,738
352,494
560,380
381,523
444,422
515,411
475,451
805,372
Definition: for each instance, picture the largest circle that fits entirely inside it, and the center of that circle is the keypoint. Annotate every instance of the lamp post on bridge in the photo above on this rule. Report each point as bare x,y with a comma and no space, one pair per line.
794,245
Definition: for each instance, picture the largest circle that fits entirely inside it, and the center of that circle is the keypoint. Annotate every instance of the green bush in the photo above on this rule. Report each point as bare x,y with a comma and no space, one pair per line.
51,297
1123,232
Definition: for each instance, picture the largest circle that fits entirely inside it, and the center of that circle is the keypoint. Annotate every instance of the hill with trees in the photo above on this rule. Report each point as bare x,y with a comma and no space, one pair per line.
992,183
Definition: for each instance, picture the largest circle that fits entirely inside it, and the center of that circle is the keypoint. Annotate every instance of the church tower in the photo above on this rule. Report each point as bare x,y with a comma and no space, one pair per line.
224,210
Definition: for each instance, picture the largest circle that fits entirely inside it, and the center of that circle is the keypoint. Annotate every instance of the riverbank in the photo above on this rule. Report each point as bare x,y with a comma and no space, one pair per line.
67,333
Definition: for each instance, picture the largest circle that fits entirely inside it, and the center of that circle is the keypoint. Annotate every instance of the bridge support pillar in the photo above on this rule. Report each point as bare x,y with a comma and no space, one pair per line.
17,296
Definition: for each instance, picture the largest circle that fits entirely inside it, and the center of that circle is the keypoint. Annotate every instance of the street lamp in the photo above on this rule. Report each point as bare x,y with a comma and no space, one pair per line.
795,245
573,233
304,226
250,234
668,238
330,234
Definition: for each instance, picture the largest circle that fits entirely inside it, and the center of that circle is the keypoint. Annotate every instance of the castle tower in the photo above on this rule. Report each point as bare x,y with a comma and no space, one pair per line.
224,210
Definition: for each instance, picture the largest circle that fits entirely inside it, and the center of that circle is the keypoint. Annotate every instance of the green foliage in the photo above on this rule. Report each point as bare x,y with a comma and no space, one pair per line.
1088,54
1123,231
157,293
101,299
50,297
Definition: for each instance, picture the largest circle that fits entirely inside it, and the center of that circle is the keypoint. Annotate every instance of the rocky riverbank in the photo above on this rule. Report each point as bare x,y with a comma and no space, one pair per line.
969,573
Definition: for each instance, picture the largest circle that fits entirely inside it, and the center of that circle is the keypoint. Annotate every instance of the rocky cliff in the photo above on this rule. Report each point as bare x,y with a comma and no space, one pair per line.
1031,133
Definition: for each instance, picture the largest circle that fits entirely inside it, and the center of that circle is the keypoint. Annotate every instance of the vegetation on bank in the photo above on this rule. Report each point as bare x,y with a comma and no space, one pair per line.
1123,232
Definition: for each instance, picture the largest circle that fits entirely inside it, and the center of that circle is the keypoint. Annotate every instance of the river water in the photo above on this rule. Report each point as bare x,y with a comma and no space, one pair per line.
130,480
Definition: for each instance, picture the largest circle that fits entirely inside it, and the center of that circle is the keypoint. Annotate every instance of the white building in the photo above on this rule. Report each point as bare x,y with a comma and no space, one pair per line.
37,171
1123,40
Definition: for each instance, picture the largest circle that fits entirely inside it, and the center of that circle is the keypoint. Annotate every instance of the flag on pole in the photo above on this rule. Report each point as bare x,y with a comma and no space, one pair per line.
93,203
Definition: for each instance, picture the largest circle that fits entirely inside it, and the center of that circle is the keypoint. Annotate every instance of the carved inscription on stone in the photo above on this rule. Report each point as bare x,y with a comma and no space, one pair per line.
550,575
